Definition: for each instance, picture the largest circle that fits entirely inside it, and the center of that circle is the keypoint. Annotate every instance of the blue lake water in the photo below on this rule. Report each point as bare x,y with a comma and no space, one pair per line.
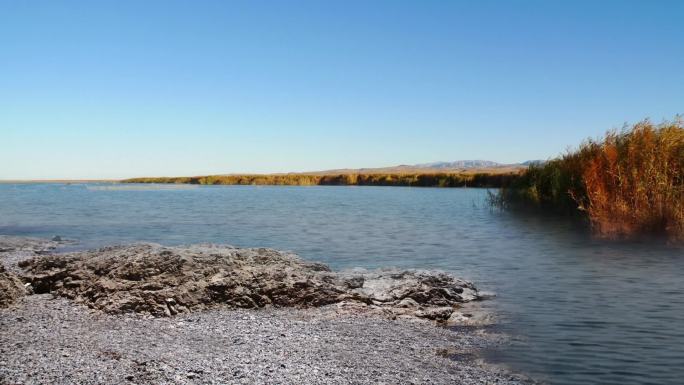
580,310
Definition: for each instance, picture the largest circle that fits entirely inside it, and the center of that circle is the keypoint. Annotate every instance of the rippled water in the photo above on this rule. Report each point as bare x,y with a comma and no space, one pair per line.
581,311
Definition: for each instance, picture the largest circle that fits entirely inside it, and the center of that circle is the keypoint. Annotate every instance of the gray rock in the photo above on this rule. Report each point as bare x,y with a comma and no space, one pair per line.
11,288
408,303
471,314
16,249
165,281
10,243
436,313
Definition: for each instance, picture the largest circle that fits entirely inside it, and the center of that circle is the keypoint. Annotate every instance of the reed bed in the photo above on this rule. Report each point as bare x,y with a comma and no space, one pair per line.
627,184
411,179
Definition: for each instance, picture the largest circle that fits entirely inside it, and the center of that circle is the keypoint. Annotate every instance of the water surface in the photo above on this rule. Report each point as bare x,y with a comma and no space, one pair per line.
581,311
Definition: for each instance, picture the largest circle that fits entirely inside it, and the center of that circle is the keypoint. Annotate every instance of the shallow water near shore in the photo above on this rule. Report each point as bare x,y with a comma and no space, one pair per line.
579,310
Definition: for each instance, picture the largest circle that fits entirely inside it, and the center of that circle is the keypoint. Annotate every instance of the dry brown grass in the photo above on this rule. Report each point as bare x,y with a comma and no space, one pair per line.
409,179
629,183
634,181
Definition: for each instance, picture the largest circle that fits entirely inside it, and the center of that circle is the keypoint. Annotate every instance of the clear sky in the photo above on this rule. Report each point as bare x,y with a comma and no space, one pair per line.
108,89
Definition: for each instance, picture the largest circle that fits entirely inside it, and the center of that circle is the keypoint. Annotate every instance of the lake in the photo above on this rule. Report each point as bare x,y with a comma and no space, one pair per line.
578,310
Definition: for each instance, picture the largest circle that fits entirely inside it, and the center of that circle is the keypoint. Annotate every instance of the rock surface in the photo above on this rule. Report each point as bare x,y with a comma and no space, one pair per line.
11,287
16,249
9,243
13,250
165,281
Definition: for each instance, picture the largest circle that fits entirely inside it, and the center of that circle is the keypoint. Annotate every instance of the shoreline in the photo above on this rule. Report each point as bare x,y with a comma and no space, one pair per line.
52,339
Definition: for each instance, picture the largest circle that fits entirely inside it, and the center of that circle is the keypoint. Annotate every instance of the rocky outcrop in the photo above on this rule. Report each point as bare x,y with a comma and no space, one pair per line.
10,243
164,281
11,288
12,250
16,249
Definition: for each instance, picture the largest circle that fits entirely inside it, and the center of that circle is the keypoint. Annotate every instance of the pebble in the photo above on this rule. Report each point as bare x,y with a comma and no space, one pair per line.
327,349
53,340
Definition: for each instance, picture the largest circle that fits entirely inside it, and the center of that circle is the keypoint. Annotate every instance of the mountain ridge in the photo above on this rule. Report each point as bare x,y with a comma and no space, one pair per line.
468,166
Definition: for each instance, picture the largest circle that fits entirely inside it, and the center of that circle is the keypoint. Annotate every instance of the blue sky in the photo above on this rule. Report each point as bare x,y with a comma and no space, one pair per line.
109,89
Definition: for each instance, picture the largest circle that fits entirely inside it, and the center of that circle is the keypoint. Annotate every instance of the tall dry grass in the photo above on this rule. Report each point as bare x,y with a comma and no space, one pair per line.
629,183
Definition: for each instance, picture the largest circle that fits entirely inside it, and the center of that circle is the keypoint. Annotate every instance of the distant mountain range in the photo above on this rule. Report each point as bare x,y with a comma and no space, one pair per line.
459,166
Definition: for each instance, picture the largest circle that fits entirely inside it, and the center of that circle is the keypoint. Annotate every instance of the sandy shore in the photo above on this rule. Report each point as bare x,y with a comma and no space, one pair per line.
48,339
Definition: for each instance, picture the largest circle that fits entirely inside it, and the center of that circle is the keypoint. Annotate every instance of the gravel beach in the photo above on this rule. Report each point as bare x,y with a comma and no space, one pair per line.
46,338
